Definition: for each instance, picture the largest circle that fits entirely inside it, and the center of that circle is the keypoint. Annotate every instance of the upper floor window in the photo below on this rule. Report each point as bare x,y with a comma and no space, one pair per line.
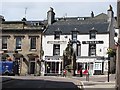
18,42
57,35
33,43
78,49
93,33
56,49
74,34
4,43
92,49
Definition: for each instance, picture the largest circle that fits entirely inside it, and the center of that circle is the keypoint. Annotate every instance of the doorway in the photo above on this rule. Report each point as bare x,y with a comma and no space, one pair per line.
32,67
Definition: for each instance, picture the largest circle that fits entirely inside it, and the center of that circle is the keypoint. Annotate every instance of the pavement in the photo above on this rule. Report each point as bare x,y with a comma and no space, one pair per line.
105,85
98,82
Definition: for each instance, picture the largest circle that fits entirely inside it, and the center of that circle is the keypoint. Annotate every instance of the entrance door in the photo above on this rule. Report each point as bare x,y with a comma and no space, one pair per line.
32,67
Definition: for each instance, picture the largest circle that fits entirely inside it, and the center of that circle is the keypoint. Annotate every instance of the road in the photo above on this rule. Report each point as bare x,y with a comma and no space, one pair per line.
95,82
42,82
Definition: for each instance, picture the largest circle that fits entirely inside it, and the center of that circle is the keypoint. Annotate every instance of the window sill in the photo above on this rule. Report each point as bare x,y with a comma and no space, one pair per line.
4,49
34,50
19,49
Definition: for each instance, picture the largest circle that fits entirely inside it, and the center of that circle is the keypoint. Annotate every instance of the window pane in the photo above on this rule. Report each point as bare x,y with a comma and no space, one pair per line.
74,36
18,42
33,43
92,50
92,35
57,35
56,49
4,43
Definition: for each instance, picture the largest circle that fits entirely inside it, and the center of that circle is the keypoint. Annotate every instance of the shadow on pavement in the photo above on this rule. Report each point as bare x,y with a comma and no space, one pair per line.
33,84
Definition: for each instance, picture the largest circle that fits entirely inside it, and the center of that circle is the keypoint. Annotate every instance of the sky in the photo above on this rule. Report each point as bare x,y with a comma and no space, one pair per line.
15,10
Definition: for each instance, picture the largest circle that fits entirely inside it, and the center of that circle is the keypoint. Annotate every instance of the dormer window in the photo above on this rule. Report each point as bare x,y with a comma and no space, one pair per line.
93,33
57,34
74,35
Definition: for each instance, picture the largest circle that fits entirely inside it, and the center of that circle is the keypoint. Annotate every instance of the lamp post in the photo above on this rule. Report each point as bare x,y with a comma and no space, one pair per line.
108,67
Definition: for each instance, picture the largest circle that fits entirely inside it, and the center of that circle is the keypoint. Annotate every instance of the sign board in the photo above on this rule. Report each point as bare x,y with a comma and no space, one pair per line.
56,42
92,42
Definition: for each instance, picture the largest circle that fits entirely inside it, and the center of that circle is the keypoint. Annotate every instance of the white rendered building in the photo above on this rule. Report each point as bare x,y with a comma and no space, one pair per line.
94,36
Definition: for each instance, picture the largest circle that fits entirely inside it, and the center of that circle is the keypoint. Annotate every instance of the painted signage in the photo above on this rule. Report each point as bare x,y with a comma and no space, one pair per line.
92,42
56,42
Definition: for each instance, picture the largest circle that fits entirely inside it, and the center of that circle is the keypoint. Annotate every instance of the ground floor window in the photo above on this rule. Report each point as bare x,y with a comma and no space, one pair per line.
53,67
98,66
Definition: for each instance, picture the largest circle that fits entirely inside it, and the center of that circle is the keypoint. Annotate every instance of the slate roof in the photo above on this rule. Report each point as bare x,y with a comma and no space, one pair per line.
82,26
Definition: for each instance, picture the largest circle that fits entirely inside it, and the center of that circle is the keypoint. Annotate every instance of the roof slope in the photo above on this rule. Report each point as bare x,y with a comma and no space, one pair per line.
82,26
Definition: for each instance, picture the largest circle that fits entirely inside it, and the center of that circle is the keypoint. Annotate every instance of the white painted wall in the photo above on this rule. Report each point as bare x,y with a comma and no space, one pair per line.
104,46
84,47
48,48
99,37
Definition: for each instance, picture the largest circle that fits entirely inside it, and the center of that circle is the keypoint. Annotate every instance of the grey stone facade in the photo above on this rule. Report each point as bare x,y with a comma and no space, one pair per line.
25,30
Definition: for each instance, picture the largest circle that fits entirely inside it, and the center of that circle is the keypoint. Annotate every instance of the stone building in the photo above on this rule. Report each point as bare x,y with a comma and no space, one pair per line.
25,37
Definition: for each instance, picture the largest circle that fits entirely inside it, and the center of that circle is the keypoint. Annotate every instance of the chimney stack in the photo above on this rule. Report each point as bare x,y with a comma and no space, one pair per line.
110,13
50,16
92,14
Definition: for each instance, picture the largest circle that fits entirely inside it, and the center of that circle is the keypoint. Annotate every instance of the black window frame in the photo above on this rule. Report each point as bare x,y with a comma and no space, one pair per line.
33,44
57,35
55,48
74,35
92,47
18,45
93,35
4,43
78,49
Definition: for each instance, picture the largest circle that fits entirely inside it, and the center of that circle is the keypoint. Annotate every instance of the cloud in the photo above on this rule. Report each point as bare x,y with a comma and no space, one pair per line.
38,10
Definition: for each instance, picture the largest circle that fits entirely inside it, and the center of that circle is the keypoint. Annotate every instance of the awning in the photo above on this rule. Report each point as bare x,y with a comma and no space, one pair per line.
32,56
4,56
85,60
18,55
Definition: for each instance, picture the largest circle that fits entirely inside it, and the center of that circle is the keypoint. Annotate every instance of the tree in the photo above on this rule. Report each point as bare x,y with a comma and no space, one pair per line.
111,52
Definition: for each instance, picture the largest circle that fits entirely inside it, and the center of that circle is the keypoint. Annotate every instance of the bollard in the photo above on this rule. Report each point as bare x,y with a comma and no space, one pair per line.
87,76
